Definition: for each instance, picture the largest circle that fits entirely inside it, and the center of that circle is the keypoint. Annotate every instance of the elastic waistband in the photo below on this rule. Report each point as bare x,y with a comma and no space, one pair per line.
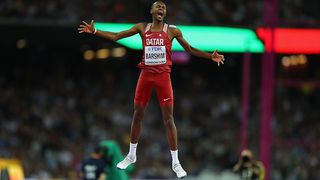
146,72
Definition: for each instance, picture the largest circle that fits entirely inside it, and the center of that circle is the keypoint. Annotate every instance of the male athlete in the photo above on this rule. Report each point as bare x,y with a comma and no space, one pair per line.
155,74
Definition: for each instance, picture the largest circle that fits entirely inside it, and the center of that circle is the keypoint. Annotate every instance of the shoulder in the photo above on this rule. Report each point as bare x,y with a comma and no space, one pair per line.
85,162
172,26
174,30
140,26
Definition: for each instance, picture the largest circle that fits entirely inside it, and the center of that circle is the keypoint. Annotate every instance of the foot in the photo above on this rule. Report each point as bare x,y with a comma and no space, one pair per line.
180,172
126,162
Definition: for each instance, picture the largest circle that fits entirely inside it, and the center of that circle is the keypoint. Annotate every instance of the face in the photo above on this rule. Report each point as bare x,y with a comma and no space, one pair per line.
246,153
158,10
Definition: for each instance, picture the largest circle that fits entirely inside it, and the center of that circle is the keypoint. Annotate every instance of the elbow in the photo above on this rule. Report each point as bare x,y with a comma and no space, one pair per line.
117,37
189,50
114,37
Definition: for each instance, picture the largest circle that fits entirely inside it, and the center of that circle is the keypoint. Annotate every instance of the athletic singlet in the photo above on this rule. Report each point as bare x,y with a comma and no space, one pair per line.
156,57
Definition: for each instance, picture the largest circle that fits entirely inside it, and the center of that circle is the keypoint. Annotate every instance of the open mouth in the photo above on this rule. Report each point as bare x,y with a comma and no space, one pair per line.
160,14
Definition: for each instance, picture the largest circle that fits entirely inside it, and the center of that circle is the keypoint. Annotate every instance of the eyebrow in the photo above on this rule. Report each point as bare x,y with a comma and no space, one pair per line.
163,5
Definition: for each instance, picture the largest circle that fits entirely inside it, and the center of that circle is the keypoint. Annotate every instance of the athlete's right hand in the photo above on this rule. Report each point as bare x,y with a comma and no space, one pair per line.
87,28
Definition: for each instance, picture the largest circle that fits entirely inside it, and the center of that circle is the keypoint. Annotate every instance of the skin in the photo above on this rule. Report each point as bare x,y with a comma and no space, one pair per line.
158,12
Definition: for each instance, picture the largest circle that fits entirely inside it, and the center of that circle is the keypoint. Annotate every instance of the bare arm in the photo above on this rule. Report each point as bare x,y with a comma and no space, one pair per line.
114,36
215,56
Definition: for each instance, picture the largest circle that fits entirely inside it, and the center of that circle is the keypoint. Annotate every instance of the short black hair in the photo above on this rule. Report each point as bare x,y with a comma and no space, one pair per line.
99,150
155,2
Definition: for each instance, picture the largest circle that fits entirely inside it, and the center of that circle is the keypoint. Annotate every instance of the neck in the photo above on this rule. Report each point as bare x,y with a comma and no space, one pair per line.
95,156
156,23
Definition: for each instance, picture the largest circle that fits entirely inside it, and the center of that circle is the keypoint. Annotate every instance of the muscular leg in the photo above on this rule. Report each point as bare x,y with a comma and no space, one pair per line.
165,98
136,123
134,136
142,95
167,116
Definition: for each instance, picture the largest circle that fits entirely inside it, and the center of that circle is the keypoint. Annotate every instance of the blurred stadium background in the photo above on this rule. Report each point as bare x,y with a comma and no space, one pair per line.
61,92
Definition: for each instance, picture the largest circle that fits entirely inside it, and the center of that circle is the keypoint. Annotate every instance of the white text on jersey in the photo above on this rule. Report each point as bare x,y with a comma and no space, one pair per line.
154,42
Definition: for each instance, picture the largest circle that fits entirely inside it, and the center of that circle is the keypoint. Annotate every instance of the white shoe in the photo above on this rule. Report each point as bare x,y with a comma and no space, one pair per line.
180,172
126,162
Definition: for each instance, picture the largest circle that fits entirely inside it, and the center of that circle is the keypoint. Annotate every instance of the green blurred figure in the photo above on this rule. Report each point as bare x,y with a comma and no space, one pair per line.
112,156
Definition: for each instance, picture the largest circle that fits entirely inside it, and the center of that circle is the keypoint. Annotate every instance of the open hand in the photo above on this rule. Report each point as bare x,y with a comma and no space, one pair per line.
216,57
87,28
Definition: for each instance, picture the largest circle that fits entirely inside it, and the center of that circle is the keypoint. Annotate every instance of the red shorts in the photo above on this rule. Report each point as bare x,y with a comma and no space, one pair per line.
162,84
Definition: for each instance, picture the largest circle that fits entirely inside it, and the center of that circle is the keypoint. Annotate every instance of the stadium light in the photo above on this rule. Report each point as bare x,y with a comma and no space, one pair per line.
88,55
118,52
102,53
206,38
21,43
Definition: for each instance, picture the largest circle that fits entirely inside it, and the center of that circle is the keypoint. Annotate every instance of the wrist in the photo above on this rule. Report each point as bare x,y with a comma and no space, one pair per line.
95,31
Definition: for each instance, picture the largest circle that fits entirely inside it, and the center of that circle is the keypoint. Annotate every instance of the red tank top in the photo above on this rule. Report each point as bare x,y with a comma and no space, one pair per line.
156,57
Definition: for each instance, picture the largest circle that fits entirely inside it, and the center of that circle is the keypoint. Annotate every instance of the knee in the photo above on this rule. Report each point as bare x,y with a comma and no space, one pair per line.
168,120
138,115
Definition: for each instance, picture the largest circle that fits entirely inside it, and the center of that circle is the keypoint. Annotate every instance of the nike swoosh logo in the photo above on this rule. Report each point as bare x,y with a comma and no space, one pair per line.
148,35
166,99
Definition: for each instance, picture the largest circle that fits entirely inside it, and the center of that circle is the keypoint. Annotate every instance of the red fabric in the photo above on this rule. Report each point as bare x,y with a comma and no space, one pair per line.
148,81
156,39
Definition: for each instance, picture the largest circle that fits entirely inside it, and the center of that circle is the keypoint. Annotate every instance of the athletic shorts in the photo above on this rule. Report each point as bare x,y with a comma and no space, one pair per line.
148,81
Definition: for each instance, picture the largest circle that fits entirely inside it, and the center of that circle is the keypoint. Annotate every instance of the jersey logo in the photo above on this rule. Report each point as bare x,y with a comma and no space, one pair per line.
148,35
166,99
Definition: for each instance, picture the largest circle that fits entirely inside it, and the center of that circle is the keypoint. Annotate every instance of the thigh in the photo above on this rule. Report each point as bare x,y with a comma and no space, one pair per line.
164,90
143,90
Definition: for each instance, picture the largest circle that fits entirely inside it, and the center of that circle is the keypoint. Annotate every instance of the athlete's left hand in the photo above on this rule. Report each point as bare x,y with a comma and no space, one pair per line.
216,57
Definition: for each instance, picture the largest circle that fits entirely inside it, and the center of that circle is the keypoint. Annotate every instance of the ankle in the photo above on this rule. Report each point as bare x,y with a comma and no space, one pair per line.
174,155
175,163
131,157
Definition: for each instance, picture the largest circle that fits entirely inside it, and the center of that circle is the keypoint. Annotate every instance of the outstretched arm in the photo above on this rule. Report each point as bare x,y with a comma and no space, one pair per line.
215,56
114,36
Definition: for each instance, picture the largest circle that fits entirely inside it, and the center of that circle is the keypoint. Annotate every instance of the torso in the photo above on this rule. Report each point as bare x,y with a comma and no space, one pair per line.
92,168
156,57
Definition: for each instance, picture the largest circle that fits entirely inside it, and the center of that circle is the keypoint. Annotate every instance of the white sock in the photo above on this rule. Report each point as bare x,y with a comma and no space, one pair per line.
132,150
174,155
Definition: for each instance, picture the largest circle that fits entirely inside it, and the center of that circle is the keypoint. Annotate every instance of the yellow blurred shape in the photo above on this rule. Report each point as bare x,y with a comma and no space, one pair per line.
119,52
285,61
88,55
103,53
13,167
302,59
21,43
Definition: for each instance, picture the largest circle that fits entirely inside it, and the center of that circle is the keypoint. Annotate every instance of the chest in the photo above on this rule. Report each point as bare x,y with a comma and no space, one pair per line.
156,39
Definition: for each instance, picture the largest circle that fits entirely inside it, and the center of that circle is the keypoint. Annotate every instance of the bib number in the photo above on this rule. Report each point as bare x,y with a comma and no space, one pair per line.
155,55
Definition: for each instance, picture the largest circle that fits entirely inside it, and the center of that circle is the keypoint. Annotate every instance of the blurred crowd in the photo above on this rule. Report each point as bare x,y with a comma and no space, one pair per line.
296,133
207,12
53,115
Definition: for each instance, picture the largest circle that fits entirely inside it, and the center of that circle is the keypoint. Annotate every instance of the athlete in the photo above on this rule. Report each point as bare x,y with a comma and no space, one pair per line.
155,74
